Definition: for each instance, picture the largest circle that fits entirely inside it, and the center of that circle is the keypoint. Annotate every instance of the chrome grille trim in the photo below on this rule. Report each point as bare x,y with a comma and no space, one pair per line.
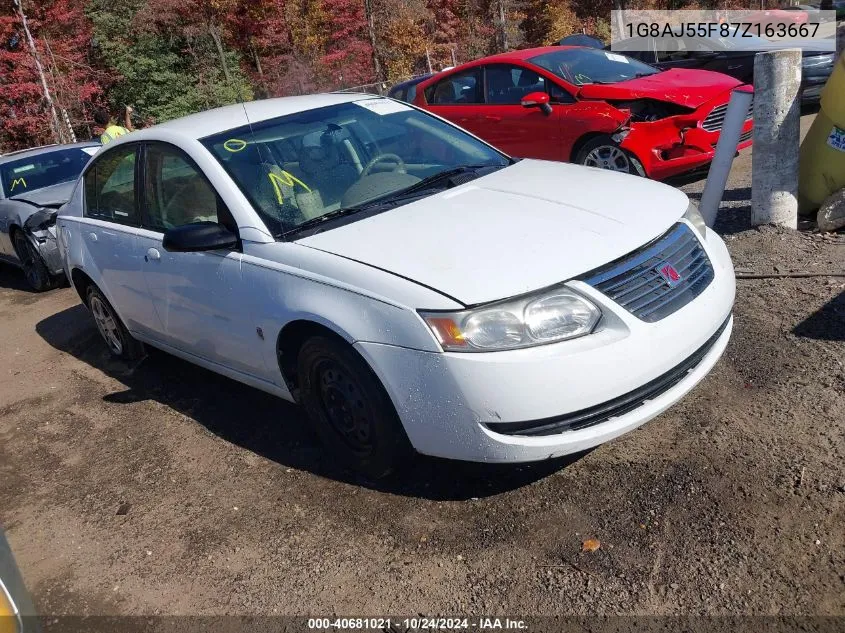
634,282
713,122
745,136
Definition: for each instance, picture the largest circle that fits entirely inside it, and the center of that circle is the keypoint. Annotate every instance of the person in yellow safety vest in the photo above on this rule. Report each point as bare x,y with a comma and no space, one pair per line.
111,130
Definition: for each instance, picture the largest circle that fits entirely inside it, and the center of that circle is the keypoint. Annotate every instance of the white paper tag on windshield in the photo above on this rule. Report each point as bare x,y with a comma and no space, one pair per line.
90,150
382,106
616,58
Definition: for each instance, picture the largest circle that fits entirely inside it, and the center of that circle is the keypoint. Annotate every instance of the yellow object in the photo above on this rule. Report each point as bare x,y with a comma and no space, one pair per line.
8,618
822,159
833,94
286,179
234,145
112,132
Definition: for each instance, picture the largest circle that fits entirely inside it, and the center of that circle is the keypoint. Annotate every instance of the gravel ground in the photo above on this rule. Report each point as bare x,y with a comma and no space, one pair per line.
165,489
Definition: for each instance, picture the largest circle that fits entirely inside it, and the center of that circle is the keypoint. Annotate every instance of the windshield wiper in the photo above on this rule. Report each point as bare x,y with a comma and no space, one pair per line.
331,215
391,198
414,191
429,181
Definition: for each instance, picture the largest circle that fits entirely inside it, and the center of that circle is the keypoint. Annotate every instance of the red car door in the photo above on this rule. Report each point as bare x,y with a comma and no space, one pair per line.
506,124
458,98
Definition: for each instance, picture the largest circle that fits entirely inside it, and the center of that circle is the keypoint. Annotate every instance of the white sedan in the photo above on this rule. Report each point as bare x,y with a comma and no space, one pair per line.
409,285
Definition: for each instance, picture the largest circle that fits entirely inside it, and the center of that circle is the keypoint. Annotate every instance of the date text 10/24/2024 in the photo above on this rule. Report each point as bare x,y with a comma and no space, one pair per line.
420,623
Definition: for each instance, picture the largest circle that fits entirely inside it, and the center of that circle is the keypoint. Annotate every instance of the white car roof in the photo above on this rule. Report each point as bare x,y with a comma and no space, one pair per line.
211,122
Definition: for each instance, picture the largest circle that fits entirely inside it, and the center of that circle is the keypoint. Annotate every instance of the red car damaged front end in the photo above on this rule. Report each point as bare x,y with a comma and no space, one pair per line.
672,127
681,143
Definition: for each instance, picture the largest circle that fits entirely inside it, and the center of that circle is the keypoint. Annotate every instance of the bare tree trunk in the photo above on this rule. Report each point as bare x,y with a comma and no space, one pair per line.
257,61
619,5
56,84
54,116
371,27
428,60
218,44
503,27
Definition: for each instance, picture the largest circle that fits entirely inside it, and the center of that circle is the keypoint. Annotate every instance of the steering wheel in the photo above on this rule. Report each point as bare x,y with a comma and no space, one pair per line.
398,163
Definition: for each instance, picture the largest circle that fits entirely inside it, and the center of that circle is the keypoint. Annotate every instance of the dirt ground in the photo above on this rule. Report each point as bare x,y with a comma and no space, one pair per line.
165,489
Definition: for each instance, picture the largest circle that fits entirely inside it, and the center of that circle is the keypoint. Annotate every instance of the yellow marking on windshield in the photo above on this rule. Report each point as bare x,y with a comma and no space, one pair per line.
17,181
286,179
234,145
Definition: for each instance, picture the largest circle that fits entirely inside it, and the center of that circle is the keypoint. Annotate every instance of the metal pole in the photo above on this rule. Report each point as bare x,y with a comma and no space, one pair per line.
720,168
57,131
774,161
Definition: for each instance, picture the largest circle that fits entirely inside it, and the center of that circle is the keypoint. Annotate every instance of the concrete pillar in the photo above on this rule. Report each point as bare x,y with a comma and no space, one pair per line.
774,159
720,168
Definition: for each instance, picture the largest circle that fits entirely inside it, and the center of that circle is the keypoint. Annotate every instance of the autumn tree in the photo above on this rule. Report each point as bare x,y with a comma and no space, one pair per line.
445,29
198,29
61,36
348,55
21,108
64,35
169,58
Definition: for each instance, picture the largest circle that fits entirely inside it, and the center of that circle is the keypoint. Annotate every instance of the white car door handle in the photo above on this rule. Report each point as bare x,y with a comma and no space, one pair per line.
152,254
93,236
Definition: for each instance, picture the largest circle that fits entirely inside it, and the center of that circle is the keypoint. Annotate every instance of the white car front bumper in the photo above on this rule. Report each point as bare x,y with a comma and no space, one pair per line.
466,405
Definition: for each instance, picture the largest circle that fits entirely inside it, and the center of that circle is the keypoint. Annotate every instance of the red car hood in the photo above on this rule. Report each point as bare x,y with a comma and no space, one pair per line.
690,88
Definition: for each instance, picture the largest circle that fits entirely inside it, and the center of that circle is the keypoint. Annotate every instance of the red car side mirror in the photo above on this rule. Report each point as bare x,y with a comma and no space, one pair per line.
537,100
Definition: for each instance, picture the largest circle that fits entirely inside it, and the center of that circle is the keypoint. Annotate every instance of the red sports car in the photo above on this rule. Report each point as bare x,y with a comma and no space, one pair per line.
587,106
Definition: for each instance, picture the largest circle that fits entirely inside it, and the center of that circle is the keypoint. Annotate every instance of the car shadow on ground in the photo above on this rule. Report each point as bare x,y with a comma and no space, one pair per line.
267,425
827,323
12,278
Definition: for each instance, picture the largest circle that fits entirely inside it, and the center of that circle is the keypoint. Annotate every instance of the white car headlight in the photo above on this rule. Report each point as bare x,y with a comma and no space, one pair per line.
536,319
696,219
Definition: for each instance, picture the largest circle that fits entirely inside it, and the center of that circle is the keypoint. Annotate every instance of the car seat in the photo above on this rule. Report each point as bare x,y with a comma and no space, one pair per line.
322,167
194,201
265,183
444,93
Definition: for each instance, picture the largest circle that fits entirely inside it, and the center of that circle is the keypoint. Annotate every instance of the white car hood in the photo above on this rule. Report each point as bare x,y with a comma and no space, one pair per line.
519,229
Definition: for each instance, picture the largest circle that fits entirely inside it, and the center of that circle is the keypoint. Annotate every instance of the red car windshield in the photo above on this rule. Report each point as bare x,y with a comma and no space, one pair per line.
581,66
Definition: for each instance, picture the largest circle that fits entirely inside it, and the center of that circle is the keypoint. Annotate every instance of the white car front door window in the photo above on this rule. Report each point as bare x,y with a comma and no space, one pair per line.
198,296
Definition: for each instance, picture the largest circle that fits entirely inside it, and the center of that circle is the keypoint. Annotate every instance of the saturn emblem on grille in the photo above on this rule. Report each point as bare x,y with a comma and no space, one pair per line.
669,274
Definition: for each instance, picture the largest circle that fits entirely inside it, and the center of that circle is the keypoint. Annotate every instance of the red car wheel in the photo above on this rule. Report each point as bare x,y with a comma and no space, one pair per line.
603,152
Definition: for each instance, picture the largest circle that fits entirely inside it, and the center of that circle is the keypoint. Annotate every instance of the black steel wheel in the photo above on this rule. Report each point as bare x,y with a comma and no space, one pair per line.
351,411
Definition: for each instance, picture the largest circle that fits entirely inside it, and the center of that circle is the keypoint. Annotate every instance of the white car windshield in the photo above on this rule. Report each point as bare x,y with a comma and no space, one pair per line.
321,164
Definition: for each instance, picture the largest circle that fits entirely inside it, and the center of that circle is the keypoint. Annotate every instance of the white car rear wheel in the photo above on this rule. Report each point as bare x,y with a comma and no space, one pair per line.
117,338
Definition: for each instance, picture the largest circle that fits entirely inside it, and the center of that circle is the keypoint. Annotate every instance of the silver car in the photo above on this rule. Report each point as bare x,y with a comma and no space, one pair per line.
34,183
